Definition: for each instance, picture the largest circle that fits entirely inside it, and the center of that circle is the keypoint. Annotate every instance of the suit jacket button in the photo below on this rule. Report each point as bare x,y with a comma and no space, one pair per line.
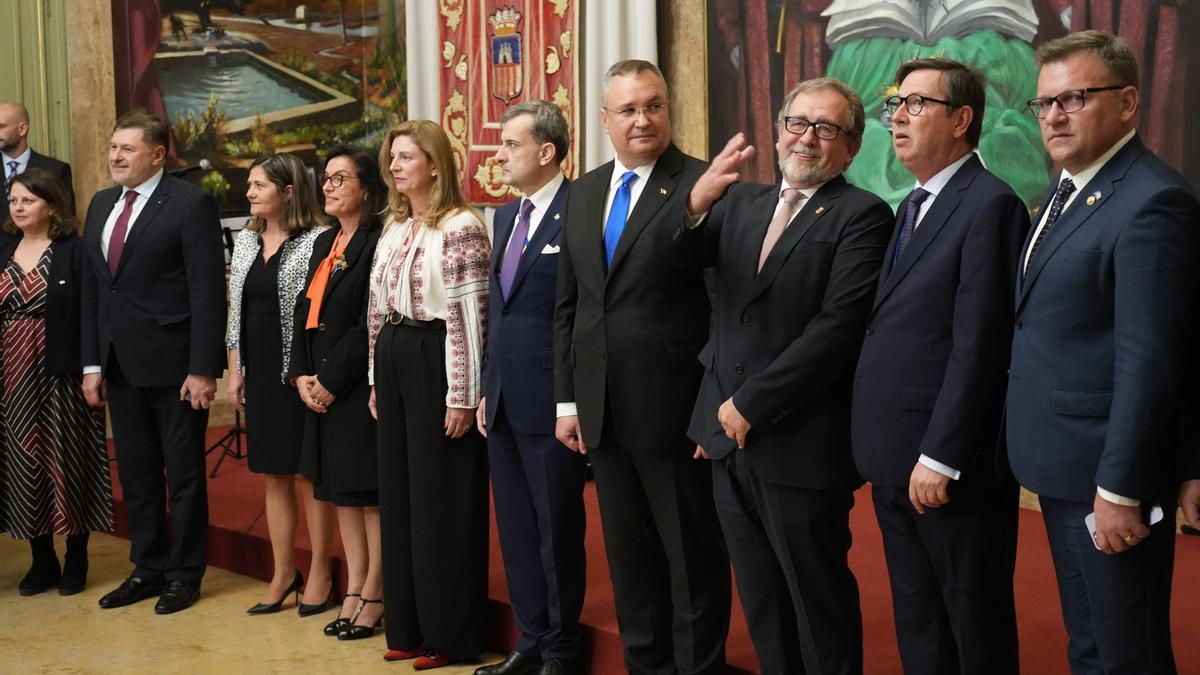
608,311
321,326
745,317
602,356
739,369
870,331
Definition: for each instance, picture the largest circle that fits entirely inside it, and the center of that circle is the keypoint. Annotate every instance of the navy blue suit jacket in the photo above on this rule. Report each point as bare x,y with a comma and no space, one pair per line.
1100,343
518,365
931,374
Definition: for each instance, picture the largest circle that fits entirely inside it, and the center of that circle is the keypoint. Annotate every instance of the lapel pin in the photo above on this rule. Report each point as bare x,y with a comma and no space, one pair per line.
819,211
556,216
662,191
1094,197
62,282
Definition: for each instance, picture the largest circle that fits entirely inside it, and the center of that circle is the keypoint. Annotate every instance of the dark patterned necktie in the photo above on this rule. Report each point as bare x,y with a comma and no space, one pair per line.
910,222
1065,188
12,173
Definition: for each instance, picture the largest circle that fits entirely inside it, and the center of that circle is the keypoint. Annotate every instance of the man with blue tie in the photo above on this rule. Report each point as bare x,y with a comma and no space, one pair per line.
929,387
628,330
1105,299
537,483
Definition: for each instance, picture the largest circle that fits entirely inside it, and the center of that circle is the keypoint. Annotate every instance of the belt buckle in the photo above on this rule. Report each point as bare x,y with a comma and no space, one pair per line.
395,318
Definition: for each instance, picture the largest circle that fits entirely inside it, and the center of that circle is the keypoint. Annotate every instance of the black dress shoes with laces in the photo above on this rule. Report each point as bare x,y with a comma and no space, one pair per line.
133,589
178,594
515,664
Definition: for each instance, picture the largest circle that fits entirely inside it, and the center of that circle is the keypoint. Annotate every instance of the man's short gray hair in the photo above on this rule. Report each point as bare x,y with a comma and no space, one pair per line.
549,124
631,67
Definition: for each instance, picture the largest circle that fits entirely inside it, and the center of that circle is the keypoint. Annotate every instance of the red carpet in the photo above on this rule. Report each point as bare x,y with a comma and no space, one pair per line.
238,542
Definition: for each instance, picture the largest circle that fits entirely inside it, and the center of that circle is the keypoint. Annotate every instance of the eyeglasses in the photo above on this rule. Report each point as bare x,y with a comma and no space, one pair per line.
334,179
823,130
913,103
1068,101
627,114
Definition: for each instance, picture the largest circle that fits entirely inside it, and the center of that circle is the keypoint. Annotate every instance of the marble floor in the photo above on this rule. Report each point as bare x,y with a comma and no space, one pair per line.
49,633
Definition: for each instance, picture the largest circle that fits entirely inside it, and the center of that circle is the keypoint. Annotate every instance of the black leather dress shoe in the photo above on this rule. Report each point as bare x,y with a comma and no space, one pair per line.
178,594
516,664
560,667
133,589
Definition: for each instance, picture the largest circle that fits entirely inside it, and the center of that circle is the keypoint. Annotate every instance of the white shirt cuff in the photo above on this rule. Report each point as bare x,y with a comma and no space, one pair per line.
1116,498
950,472
694,221
91,370
566,409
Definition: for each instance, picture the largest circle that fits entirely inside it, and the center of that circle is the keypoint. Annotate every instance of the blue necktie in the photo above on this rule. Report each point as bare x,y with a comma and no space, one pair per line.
617,216
910,222
516,245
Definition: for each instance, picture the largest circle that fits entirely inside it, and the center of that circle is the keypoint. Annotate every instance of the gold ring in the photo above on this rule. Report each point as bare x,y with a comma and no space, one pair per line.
1129,539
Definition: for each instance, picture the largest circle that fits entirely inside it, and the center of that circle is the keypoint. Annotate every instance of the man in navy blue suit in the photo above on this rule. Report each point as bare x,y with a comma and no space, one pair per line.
537,482
1104,303
929,389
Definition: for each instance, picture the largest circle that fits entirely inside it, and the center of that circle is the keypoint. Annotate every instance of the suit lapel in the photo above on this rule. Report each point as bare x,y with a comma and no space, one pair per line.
593,235
819,206
547,231
144,220
354,249
94,231
943,208
659,187
1106,183
502,226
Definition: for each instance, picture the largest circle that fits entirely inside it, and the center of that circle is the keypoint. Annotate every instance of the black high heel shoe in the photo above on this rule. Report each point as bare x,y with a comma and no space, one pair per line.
309,610
337,625
357,632
272,607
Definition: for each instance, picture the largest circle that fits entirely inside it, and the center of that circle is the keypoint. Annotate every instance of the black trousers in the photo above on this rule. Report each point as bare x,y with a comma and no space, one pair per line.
1117,608
433,502
537,484
160,460
669,568
951,573
789,548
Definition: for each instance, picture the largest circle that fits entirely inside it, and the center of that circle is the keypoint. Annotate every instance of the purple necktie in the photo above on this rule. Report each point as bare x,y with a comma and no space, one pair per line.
12,173
116,241
512,255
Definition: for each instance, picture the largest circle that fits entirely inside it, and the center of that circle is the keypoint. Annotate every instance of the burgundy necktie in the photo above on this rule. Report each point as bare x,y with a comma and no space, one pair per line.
116,241
516,245
783,215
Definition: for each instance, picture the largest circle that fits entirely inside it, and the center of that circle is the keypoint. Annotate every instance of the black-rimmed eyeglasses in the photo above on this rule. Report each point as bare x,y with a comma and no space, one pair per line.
1069,101
823,130
913,103
334,179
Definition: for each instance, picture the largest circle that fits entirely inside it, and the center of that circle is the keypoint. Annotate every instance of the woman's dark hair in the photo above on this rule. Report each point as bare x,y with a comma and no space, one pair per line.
48,187
366,169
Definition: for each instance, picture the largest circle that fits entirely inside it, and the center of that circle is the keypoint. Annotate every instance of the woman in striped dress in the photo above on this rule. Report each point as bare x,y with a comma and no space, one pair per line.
54,474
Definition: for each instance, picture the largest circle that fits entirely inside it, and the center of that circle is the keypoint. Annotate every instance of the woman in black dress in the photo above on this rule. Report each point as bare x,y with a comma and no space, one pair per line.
54,475
266,275
329,368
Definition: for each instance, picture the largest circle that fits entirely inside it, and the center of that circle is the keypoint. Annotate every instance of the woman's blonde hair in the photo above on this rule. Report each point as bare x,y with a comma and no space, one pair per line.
445,195
301,212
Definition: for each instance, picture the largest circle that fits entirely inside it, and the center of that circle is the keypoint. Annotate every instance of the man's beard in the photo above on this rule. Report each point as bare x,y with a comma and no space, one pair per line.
807,173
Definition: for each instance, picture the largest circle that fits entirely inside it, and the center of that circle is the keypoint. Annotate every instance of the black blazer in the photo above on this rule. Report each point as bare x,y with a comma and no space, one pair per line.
633,330
1103,333
519,361
931,377
67,268
336,352
785,338
163,313
61,170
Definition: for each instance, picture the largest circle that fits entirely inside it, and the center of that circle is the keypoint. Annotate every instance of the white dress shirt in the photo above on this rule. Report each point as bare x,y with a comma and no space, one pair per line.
541,204
144,190
22,161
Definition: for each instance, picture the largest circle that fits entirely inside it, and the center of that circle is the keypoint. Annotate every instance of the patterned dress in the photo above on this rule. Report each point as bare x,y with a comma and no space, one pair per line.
54,472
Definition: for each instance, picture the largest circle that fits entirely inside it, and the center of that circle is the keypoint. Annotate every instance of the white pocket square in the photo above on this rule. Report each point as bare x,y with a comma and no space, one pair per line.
549,250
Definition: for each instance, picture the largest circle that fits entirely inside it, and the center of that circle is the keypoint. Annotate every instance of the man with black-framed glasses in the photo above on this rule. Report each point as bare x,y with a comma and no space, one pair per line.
1105,304
796,267
929,389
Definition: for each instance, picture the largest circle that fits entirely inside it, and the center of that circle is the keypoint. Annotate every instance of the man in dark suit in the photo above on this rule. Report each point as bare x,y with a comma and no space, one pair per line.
536,482
929,389
1104,305
153,321
628,328
17,156
796,265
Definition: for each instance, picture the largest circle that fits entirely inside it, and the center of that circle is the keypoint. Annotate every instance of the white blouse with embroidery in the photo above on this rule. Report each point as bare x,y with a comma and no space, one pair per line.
425,274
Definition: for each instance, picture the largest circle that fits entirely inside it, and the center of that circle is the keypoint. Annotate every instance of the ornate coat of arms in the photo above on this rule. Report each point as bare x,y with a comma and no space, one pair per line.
506,54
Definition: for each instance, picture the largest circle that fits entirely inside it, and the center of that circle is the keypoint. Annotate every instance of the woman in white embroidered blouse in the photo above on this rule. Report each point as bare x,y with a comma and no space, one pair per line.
266,275
425,327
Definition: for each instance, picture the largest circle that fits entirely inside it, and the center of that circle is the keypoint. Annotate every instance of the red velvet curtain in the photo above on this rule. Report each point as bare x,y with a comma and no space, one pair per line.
137,29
